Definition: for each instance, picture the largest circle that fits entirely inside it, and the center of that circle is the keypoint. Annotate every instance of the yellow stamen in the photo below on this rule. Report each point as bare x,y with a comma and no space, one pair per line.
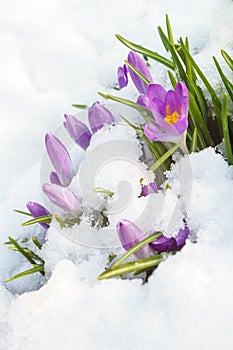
172,118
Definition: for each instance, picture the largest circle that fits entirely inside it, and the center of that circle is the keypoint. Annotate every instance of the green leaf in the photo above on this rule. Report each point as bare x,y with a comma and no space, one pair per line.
227,58
193,146
136,71
103,190
137,247
36,242
130,124
134,266
22,212
225,81
144,51
172,79
80,106
144,112
224,117
164,157
41,219
169,30
37,268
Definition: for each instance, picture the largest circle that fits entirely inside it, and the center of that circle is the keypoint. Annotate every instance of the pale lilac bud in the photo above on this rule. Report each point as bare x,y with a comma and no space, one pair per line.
60,158
148,189
37,210
54,179
138,62
78,131
98,115
130,234
144,101
63,198
122,76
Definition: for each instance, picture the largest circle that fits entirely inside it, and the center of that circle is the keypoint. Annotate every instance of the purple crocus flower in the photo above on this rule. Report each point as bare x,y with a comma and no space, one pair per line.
129,235
38,210
163,243
60,158
148,189
122,76
98,115
170,111
54,179
144,101
63,198
138,62
78,131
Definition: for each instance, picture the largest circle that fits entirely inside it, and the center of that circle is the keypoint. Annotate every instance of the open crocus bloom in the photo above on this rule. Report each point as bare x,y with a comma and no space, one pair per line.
170,111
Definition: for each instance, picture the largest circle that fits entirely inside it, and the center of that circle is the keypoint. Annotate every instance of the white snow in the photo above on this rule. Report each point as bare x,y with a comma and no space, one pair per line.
55,53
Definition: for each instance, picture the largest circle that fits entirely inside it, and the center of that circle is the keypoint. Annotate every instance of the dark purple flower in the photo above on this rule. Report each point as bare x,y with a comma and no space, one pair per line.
54,179
130,234
148,189
60,158
165,244
63,198
170,111
78,131
139,63
38,210
98,115
122,76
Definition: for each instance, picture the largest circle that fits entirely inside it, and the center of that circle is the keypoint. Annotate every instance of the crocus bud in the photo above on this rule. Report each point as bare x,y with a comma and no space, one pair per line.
54,179
122,75
139,63
60,158
129,235
98,115
171,244
78,131
148,189
63,198
38,210
144,101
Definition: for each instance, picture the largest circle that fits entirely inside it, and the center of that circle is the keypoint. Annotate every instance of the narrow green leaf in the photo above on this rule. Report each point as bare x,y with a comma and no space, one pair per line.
224,116
225,81
136,71
44,218
164,157
137,247
172,79
137,128
169,30
22,212
103,190
175,58
144,51
37,268
80,106
193,146
227,58
138,265
21,250
36,242
144,112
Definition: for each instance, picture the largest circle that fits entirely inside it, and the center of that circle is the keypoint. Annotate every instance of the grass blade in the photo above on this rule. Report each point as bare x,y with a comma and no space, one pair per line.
152,54
164,157
37,268
41,219
193,146
22,212
134,266
225,81
80,106
224,117
136,71
227,59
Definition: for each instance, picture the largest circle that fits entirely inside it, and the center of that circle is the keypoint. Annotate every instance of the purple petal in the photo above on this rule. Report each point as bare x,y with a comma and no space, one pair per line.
144,101
164,244
148,189
54,179
78,131
182,236
122,76
172,101
183,96
98,115
130,234
139,63
63,198
60,158
153,133
38,210
156,90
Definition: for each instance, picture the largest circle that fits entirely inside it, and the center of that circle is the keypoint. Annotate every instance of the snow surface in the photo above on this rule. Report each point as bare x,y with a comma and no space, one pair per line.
55,53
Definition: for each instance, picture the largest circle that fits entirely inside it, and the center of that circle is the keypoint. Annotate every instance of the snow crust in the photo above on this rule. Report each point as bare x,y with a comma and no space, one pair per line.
55,53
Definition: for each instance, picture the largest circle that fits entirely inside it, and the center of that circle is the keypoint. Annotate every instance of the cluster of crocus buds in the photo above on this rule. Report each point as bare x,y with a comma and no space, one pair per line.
57,191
